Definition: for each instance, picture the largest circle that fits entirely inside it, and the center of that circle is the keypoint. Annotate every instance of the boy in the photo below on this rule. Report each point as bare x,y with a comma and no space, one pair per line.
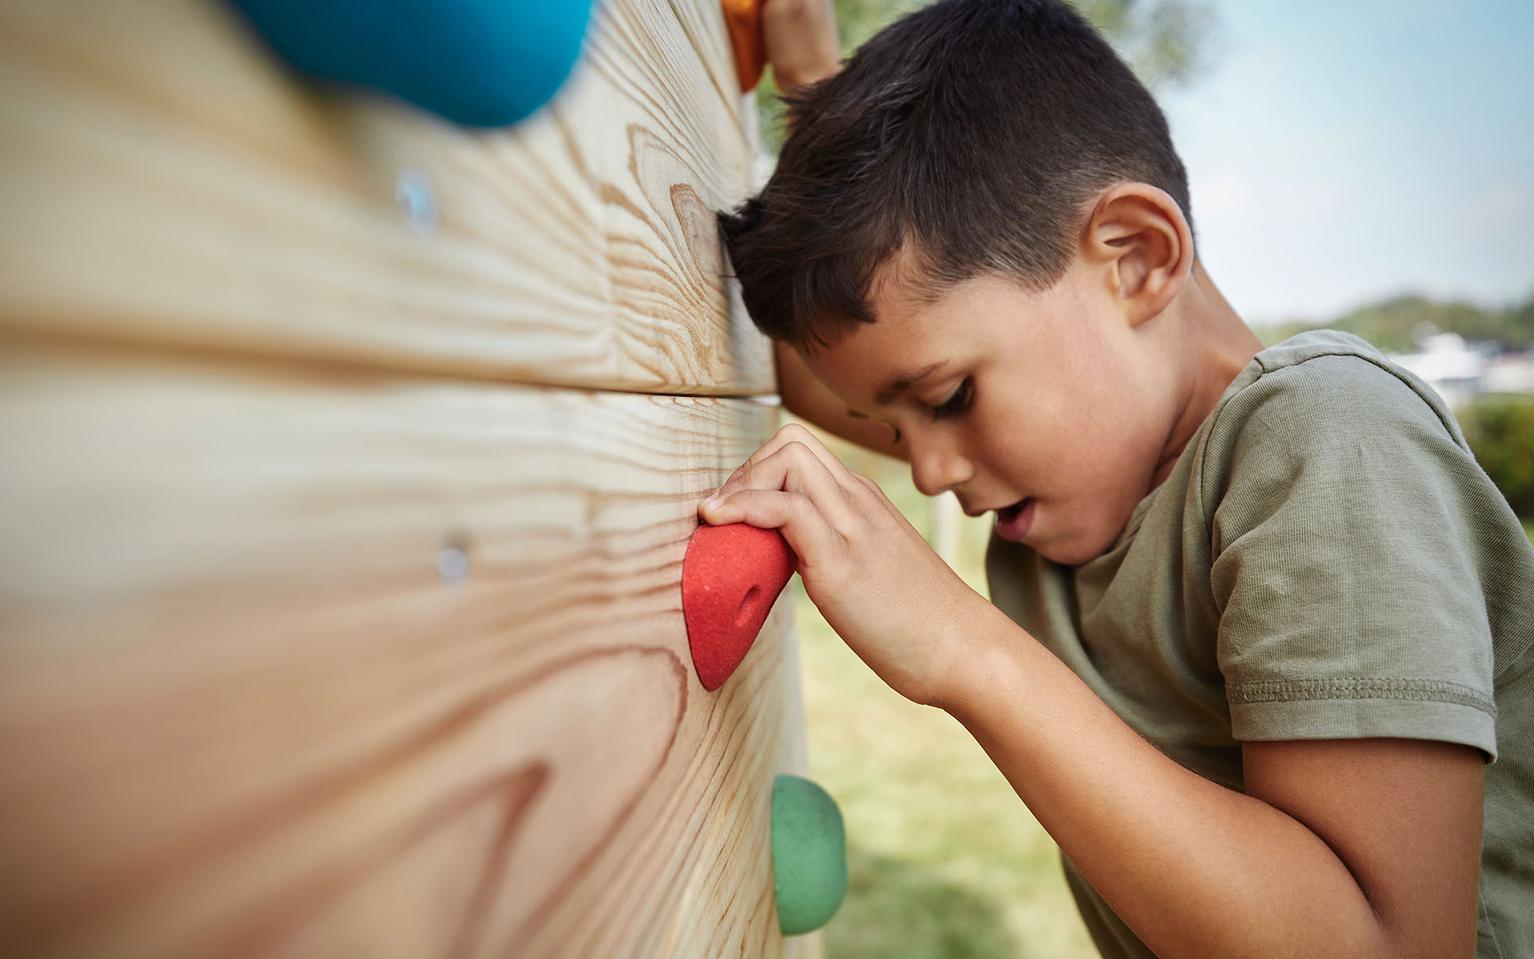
1261,622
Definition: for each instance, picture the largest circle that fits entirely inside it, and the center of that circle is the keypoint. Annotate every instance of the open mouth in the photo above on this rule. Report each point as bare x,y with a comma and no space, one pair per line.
1007,513
1013,522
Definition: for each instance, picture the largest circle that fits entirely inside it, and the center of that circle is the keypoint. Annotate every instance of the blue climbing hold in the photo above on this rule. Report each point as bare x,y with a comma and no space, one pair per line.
481,63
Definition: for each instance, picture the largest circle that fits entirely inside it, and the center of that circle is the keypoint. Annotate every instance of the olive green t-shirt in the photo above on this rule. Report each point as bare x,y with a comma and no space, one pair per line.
1326,561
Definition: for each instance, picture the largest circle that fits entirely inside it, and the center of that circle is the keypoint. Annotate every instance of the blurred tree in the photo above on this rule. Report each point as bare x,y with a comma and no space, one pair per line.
1394,323
1501,432
1164,41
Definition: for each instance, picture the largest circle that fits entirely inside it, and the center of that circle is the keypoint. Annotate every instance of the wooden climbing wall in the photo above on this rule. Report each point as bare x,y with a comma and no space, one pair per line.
349,462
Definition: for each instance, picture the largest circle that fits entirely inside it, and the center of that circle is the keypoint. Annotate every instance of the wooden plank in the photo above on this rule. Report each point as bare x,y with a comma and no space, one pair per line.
323,662
164,180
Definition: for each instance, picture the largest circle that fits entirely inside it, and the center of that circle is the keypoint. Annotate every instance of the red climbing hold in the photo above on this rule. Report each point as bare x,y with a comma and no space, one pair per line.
731,576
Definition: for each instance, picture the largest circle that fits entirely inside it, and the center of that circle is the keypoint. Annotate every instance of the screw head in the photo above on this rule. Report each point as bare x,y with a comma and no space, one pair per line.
453,560
416,197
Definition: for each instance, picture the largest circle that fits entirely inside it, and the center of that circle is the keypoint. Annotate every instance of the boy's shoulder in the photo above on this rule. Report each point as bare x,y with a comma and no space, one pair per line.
1323,371
1318,413
1322,398
1311,344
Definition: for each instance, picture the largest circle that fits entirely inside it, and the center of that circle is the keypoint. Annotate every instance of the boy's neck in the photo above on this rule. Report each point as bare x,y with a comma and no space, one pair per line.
1221,345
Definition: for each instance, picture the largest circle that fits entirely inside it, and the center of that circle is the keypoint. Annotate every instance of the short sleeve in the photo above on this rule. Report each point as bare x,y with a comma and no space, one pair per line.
1346,518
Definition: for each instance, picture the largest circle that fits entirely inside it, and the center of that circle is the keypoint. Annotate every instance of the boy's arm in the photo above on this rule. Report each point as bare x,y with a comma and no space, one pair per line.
1359,848
800,40
809,399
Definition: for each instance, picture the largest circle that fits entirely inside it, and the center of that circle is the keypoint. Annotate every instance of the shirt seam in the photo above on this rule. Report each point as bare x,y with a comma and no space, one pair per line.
1359,688
1264,369
1381,363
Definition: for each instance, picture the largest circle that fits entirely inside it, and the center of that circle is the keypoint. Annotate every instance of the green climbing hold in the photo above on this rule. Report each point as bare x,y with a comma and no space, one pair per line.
809,854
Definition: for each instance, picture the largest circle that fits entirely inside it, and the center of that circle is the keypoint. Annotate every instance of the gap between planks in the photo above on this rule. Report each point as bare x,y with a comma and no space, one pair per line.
279,362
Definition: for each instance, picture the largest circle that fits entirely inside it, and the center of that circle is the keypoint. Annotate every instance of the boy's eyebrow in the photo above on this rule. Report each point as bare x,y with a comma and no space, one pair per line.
904,382
864,416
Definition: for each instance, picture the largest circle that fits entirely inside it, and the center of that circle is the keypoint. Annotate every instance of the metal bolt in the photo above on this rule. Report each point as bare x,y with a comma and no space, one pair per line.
453,560
414,194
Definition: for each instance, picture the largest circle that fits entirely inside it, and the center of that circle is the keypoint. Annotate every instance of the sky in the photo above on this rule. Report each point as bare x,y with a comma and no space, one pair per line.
1339,153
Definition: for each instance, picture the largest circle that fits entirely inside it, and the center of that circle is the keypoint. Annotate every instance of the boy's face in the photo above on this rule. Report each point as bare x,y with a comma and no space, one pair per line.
1054,397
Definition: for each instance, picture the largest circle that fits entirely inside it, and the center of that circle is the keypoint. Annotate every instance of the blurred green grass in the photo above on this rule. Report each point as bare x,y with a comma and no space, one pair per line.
944,860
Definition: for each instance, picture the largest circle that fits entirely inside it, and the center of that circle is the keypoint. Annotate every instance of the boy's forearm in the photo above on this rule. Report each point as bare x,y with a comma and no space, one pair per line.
1195,869
810,400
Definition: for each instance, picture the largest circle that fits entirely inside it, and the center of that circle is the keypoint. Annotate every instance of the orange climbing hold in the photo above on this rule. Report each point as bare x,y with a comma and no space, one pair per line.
744,19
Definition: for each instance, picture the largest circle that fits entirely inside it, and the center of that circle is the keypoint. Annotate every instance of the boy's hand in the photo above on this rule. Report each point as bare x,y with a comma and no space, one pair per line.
888,595
800,37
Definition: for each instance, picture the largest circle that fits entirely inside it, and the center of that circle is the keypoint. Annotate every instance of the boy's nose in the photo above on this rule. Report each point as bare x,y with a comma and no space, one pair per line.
934,472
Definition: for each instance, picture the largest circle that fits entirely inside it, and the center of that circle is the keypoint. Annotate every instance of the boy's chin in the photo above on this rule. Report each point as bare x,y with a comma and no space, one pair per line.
1078,547
1068,554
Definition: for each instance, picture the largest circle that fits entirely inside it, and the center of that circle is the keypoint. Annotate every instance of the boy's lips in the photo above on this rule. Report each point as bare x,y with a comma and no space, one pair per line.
1013,522
993,509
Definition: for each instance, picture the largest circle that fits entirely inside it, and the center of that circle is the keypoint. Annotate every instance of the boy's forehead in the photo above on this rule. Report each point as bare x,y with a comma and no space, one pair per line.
923,317
905,292
911,332
870,361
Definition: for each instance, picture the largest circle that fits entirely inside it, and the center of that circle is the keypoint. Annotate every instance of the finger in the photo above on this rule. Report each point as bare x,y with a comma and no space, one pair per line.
791,468
814,542
797,433
790,433
878,492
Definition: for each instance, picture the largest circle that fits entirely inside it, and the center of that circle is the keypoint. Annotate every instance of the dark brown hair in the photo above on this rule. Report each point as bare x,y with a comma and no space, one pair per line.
973,130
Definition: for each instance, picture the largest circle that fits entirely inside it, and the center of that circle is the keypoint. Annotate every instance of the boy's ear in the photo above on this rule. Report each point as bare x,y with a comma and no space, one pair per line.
1139,235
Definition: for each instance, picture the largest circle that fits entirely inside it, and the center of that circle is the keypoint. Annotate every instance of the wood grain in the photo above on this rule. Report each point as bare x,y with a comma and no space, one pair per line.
244,713
165,180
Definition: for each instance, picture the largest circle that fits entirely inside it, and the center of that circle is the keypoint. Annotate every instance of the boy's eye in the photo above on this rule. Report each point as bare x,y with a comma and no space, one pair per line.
956,403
